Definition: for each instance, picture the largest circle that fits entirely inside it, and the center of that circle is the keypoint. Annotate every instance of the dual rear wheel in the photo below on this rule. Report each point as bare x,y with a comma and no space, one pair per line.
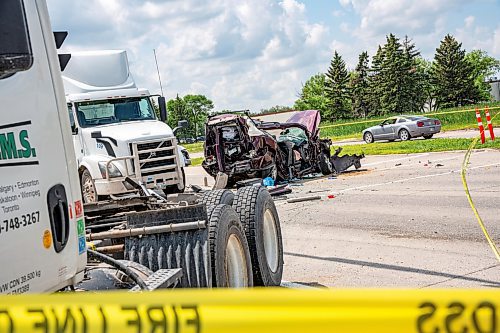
251,251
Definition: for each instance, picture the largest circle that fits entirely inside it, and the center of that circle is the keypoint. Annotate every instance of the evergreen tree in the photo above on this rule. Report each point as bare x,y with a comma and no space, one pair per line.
452,75
413,93
360,87
427,90
374,79
313,95
392,76
337,88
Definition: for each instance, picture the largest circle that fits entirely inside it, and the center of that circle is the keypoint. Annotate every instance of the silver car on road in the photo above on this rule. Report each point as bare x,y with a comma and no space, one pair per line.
402,127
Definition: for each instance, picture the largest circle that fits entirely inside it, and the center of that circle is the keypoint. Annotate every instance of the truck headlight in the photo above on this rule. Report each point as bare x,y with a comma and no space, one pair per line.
113,171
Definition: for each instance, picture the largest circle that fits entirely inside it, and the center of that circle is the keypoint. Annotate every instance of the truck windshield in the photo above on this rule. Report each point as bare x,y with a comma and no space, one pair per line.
114,111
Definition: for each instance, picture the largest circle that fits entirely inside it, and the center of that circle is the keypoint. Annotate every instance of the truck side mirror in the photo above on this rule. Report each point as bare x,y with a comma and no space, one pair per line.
96,135
163,108
181,124
15,48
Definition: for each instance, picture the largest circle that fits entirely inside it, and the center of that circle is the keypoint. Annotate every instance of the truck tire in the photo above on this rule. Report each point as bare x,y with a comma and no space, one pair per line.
89,193
216,197
229,253
260,220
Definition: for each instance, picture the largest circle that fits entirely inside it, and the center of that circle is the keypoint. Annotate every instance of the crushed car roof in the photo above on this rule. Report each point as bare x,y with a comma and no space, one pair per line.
309,118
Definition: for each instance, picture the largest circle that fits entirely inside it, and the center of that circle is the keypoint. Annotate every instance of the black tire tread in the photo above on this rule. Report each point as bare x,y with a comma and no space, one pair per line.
215,213
244,204
216,197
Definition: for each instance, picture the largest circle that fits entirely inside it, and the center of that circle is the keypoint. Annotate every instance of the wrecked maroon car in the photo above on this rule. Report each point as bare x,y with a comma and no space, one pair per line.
243,148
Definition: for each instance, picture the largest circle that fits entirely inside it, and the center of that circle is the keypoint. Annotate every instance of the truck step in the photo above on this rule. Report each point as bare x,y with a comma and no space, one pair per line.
161,279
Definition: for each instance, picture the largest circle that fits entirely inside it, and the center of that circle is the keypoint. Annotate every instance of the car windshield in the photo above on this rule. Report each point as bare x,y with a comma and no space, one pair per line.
114,111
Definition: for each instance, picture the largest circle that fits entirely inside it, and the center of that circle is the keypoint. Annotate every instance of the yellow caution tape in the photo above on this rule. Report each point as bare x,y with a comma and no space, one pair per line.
463,173
424,114
255,311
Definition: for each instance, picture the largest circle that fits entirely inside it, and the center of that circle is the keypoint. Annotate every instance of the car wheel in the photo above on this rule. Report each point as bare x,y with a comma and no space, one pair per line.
404,135
89,193
368,137
325,165
428,136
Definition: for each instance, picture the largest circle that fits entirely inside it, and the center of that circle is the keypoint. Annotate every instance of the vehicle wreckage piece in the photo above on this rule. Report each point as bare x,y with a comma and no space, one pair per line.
244,148
342,163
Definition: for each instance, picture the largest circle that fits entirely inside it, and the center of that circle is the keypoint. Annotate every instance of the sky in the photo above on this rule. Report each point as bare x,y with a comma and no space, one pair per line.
257,54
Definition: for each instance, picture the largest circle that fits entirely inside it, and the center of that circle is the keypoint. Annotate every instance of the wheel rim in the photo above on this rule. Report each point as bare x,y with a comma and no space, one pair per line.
236,268
404,135
368,137
270,241
88,190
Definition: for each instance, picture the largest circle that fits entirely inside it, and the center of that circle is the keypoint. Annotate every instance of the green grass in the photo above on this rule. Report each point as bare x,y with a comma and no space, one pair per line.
196,147
450,121
196,161
415,146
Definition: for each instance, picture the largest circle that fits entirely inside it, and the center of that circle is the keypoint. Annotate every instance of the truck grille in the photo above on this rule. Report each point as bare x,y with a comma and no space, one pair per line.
154,145
154,157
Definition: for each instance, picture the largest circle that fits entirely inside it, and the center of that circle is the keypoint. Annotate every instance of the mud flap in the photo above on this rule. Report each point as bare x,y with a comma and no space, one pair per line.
185,249
342,163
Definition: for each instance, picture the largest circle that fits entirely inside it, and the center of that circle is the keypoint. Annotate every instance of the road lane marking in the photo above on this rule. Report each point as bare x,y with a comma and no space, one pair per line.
396,159
413,178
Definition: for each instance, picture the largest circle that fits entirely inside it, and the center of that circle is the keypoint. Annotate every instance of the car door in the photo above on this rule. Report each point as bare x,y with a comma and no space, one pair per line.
378,131
386,129
400,123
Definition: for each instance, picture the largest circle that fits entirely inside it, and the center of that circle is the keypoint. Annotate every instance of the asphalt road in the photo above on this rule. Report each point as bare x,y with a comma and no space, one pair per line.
403,221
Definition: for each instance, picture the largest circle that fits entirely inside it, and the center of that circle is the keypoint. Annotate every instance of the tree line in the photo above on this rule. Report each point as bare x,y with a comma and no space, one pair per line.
193,108
399,80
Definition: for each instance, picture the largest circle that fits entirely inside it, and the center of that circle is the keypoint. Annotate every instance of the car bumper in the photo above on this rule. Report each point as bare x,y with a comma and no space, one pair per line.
426,131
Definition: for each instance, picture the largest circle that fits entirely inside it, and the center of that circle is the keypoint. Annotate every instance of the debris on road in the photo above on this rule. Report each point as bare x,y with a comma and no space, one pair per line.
279,190
439,165
342,163
398,164
311,198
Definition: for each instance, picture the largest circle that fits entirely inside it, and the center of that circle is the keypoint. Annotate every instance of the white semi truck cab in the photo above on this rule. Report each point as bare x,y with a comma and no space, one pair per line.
116,133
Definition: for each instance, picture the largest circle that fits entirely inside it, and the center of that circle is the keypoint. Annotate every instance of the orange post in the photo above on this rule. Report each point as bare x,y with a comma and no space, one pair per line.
490,126
480,124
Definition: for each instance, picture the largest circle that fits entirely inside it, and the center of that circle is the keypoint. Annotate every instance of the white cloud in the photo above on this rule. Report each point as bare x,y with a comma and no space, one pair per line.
469,21
496,42
251,53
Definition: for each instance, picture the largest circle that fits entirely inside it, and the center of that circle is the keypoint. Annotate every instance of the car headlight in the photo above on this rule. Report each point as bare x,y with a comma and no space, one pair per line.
113,171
